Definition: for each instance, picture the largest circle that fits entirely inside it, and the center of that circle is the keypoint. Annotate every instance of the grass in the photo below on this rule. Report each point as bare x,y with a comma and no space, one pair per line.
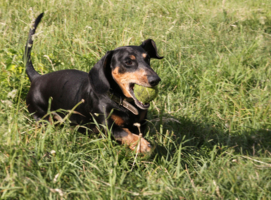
210,123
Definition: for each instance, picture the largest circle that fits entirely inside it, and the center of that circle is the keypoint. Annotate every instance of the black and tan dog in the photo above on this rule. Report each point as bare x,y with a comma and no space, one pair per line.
108,86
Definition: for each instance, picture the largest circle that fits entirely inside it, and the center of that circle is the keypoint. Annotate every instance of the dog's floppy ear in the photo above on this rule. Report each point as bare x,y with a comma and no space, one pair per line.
97,75
150,46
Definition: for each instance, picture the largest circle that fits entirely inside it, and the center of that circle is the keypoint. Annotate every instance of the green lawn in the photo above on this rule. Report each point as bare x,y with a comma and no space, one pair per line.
210,123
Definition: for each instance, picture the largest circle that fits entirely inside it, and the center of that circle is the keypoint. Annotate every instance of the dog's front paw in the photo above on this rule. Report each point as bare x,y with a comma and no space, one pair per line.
140,144
135,142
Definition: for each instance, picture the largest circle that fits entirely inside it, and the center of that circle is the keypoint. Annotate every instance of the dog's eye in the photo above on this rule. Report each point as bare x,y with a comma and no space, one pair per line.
128,62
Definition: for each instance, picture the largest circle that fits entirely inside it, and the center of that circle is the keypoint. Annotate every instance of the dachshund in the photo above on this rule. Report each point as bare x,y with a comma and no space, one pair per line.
106,92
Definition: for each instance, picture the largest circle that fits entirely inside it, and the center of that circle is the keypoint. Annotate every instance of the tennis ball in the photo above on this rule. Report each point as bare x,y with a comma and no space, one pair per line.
145,94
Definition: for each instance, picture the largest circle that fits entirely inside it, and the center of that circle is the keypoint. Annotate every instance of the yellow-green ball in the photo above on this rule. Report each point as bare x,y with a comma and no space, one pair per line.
145,94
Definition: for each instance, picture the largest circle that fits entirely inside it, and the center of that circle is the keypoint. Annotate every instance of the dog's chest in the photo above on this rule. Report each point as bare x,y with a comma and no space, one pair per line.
124,119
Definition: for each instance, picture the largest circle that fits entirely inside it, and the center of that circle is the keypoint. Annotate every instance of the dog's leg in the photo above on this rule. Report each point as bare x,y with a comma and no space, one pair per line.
126,137
38,112
55,116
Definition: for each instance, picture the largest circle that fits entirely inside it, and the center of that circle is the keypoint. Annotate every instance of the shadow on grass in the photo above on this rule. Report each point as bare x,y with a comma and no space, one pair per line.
198,135
168,133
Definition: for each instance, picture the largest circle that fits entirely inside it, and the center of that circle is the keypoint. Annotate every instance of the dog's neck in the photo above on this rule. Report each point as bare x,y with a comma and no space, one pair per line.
124,102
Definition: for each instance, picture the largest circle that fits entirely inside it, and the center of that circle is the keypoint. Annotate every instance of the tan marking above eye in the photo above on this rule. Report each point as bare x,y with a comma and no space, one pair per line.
132,57
144,55
117,119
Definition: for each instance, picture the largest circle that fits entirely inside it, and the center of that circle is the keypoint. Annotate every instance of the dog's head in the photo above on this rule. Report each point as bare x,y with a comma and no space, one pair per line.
124,67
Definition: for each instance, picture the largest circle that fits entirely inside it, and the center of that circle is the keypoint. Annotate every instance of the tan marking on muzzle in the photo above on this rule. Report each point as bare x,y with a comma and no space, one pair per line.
124,79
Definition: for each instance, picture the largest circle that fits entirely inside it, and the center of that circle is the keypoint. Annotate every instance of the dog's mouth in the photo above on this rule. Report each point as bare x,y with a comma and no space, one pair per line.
137,102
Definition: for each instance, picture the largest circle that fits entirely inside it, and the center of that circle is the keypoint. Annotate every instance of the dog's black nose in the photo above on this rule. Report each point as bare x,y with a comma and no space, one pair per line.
153,80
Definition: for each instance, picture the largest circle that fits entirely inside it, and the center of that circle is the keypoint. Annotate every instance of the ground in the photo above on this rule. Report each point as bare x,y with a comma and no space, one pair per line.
210,124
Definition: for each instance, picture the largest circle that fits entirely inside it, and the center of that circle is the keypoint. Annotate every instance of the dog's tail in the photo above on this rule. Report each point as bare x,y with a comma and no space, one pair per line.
31,72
